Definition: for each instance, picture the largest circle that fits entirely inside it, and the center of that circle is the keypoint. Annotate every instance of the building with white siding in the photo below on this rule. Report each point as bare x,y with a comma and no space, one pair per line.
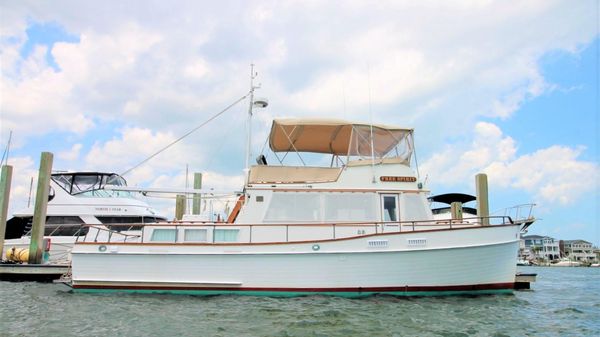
578,250
541,247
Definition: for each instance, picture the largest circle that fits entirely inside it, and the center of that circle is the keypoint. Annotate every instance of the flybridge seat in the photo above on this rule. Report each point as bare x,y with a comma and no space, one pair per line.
262,174
293,174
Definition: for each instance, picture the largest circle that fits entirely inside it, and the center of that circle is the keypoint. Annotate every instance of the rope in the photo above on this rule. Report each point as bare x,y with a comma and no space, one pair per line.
187,134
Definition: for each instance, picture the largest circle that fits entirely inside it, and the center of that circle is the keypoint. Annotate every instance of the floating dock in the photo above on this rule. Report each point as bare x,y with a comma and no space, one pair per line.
523,280
32,272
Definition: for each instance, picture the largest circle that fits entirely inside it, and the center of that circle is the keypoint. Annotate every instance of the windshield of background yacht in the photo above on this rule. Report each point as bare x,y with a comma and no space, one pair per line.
78,183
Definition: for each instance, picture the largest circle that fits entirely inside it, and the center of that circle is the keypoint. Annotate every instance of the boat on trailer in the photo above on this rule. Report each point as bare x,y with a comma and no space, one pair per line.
360,225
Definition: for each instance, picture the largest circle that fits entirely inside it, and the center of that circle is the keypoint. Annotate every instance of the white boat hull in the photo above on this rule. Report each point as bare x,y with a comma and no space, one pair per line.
418,263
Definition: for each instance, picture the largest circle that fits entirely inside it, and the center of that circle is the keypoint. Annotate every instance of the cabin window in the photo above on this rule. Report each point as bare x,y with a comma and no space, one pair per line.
197,235
390,207
414,207
64,220
349,207
127,219
226,235
322,207
163,235
286,206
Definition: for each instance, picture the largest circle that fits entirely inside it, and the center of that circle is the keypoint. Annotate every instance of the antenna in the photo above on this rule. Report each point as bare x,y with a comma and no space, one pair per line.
371,125
249,121
259,103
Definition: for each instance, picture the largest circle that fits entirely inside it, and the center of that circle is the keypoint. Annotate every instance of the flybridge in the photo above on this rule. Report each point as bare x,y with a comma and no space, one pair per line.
341,138
350,144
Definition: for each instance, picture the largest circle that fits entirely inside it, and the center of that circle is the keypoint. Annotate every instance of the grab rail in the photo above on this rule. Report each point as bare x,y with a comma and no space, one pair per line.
337,229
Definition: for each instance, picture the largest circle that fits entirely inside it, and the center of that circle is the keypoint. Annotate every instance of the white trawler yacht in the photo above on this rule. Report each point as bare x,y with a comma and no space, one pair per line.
360,225
77,199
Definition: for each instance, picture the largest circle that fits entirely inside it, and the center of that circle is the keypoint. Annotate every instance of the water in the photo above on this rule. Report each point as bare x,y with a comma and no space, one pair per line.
564,302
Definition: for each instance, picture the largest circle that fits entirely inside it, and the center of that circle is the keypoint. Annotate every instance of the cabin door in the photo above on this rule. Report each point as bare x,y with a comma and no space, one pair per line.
390,212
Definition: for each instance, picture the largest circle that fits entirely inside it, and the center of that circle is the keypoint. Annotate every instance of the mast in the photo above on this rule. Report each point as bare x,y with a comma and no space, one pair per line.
249,122
259,103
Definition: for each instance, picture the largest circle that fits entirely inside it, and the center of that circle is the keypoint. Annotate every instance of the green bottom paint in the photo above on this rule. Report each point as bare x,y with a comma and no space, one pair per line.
296,293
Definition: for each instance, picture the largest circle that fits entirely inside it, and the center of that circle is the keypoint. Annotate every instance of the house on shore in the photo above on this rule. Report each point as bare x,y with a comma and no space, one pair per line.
578,250
540,248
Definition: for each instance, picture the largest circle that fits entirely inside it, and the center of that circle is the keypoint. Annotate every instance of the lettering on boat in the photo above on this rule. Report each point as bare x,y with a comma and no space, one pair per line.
400,179
109,209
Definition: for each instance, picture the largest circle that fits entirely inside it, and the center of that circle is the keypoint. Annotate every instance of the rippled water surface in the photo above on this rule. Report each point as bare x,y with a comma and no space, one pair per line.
564,302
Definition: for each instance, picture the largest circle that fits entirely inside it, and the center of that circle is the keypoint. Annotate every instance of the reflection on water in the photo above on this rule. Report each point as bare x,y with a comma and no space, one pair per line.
564,302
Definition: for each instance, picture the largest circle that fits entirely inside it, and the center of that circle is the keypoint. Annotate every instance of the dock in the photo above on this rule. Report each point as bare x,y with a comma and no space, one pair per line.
32,272
523,280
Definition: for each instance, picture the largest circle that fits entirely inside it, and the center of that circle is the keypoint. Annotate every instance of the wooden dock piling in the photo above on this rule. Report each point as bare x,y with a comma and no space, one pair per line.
456,210
41,207
5,180
179,206
197,201
483,208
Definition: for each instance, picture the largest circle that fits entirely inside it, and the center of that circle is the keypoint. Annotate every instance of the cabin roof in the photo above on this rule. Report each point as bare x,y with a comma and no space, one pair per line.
334,136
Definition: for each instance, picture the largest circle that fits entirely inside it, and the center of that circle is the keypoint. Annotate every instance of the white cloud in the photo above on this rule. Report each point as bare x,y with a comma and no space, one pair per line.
134,145
139,67
24,180
72,154
555,174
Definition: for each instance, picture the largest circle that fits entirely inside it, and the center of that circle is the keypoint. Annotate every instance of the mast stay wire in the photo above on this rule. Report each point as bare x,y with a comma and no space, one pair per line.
6,150
185,135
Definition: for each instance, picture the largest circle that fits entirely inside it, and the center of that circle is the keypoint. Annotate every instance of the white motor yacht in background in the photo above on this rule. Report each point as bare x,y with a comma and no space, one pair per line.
77,199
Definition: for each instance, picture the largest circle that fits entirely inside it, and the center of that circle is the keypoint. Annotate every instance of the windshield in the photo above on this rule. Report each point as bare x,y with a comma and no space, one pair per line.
90,184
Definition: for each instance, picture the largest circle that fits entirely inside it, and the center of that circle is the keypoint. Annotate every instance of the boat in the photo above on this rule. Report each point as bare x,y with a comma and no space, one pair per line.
356,226
523,262
77,199
566,262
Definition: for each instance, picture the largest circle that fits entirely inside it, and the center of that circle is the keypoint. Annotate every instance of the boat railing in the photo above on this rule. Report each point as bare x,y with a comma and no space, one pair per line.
518,213
101,233
64,229
283,232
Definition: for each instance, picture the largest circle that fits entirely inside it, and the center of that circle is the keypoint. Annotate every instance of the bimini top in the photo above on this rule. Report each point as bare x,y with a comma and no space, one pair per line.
338,137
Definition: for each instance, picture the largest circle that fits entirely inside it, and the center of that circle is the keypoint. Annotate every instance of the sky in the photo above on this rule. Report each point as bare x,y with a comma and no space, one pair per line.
509,89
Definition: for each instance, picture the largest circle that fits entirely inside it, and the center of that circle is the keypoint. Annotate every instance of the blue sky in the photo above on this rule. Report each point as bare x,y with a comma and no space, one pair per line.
510,89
